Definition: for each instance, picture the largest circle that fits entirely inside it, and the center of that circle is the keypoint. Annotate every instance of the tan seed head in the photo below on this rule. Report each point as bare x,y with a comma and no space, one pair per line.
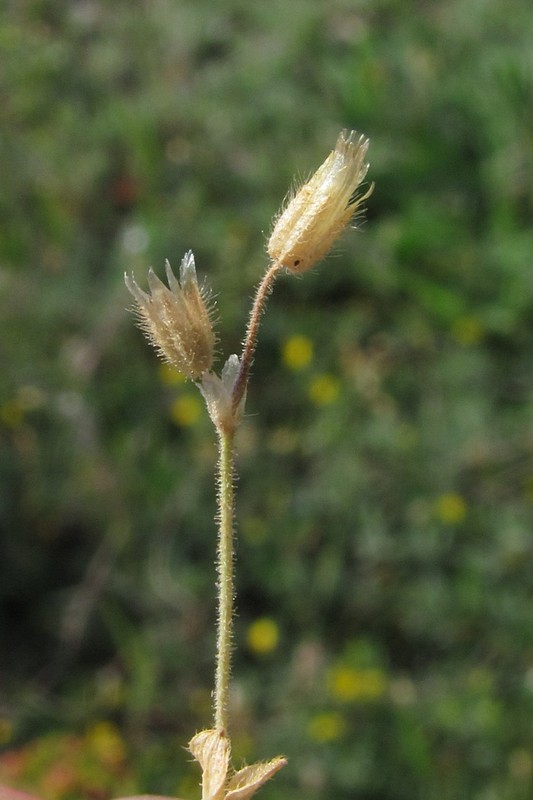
318,213
177,320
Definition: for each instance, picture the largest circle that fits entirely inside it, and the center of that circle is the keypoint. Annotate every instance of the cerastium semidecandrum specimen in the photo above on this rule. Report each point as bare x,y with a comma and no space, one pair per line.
178,322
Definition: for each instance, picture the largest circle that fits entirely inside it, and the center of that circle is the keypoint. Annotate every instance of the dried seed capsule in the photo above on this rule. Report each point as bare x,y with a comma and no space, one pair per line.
317,214
177,321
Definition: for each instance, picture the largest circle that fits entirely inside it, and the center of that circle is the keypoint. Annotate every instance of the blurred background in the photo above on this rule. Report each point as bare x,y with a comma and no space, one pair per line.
384,640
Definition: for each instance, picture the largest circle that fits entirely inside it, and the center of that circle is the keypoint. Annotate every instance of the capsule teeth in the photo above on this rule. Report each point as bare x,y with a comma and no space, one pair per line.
177,320
140,296
188,269
171,278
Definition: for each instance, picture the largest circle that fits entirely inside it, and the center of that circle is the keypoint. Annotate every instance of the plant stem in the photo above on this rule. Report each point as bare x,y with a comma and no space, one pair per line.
225,577
225,498
250,340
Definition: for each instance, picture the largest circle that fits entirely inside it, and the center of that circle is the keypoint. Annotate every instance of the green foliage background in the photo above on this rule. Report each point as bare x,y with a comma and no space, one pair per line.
385,522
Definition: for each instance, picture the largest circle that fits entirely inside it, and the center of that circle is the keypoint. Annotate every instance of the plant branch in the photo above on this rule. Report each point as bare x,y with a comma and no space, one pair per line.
250,340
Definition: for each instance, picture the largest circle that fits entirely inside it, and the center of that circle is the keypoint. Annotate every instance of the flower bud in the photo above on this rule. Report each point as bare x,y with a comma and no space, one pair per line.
177,320
317,214
218,395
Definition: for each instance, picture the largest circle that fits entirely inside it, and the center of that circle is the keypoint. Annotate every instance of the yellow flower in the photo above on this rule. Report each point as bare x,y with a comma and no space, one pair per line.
106,743
324,389
186,410
169,376
451,508
467,330
177,320
297,352
326,727
351,685
262,636
316,216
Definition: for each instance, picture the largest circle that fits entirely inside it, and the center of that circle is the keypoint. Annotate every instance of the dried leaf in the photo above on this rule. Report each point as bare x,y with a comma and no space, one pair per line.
247,781
211,749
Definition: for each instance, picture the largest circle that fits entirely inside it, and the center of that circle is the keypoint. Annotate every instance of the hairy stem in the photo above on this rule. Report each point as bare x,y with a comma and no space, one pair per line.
226,434
225,577
250,340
